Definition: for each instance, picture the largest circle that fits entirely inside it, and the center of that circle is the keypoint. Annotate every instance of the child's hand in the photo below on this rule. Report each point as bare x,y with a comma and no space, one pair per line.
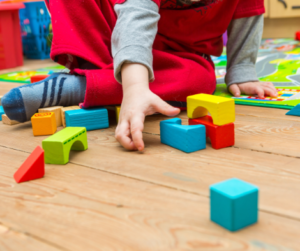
261,89
138,102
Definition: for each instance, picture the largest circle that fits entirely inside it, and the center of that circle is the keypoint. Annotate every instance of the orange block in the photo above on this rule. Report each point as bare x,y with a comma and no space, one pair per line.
43,124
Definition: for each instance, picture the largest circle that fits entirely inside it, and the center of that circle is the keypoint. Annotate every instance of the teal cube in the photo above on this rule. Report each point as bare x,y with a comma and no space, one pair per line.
234,204
1,112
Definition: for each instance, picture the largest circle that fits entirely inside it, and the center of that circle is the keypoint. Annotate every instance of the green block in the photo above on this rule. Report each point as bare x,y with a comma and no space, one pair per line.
58,146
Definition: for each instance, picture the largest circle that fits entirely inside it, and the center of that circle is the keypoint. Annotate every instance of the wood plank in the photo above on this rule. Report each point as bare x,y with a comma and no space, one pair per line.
80,208
264,112
269,134
14,240
277,176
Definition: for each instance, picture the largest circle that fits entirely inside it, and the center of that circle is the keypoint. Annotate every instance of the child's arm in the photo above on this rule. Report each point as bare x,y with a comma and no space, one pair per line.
138,102
132,41
244,37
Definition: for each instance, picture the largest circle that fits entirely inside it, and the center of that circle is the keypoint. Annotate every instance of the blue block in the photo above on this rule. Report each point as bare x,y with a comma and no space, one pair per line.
234,204
91,119
295,111
1,112
187,138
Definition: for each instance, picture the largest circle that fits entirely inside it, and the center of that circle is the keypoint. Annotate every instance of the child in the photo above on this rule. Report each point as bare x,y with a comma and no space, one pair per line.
157,49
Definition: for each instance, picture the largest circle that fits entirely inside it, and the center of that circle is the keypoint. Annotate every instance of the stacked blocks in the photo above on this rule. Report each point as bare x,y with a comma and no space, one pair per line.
57,112
234,204
220,136
185,138
43,124
33,167
91,119
219,126
295,111
58,146
1,112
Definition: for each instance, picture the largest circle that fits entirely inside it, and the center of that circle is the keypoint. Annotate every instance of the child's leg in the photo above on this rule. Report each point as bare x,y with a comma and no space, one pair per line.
82,32
59,89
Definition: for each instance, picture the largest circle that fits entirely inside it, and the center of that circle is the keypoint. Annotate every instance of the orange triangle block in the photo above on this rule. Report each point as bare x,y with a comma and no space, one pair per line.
33,167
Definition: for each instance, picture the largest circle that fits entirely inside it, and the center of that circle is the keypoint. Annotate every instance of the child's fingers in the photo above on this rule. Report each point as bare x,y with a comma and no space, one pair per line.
124,137
164,108
259,91
235,90
136,129
270,92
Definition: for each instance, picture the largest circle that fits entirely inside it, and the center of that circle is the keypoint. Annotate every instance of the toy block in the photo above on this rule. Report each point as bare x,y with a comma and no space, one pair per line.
91,119
1,112
118,109
295,111
7,121
58,146
221,109
185,138
115,110
234,204
38,78
0,100
220,136
57,112
43,124
297,35
64,109
33,167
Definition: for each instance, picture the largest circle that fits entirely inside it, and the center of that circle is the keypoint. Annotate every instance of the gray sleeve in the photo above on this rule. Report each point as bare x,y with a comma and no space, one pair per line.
244,37
134,34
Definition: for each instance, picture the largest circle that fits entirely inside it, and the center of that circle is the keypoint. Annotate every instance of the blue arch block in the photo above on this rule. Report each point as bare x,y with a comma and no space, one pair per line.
234,204
1,112
187,138
295,111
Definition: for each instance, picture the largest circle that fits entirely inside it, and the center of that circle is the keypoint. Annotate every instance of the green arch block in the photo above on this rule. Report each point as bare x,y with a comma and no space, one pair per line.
58,146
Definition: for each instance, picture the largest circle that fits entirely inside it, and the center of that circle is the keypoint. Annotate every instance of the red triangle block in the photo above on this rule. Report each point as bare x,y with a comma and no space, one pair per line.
33,167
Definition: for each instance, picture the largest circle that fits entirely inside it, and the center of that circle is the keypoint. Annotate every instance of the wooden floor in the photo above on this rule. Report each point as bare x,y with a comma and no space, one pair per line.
109,199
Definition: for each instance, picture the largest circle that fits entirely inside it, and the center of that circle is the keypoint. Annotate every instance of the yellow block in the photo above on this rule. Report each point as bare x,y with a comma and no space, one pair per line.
56,110
118,109
221,109
43,123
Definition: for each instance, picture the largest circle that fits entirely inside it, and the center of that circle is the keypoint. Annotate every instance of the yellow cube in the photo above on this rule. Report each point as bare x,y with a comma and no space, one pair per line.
43,124
221,109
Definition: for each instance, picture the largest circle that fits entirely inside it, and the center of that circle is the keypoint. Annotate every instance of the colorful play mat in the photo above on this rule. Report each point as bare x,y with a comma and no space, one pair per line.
278,62
23,77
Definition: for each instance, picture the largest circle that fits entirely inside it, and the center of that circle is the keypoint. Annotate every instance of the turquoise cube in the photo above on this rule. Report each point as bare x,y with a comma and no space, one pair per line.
91,119
234,204
187,138
1,112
